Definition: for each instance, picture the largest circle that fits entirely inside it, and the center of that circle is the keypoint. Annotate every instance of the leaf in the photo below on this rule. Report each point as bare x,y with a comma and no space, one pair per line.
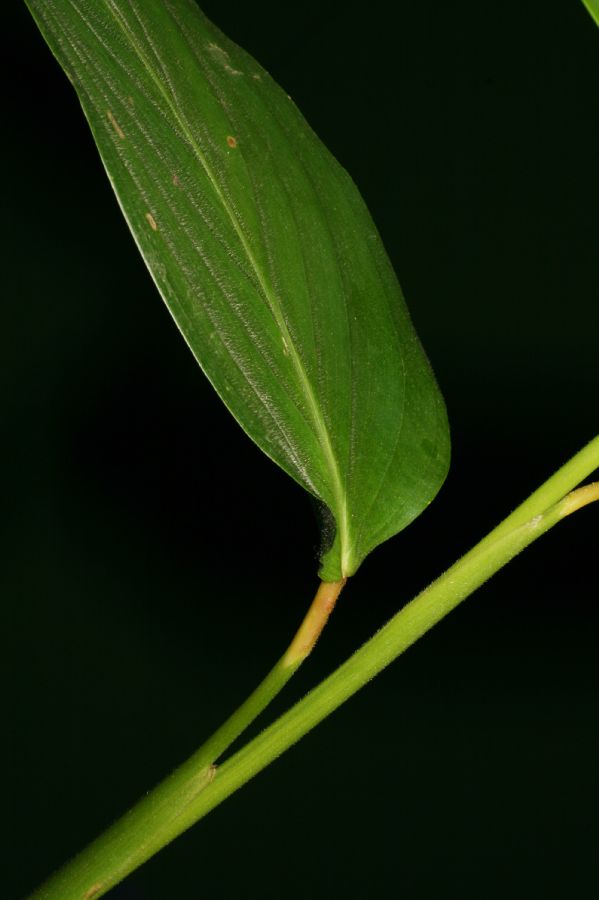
267,258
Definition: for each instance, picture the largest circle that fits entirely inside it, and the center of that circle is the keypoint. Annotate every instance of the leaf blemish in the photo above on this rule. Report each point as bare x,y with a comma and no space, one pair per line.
223,56
93,891
152,221
115,125
176,180
231,141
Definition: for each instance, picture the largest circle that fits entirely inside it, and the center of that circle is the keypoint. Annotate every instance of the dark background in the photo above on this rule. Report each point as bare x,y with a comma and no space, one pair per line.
155,563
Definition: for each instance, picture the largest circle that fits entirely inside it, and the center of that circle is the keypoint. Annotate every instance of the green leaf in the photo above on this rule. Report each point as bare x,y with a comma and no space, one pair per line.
593,8
267,258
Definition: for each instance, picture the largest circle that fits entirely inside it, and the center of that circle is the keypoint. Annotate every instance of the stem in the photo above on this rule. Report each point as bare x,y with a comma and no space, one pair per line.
190,793
593,8
311,628
300,647
147,827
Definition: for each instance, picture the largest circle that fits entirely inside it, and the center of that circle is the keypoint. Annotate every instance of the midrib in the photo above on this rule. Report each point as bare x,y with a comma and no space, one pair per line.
315,411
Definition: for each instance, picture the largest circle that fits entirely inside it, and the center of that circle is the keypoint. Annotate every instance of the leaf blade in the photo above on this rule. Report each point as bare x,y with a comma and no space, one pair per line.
266,257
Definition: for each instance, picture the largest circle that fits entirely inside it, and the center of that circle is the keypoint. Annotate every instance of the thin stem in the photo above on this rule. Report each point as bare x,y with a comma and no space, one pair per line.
181,800
148,825
300,647
581,497
311,628
593,8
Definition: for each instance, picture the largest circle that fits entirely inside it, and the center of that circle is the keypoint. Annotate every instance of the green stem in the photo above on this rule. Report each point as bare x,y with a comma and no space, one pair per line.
192,791
300,647
593,8
146,827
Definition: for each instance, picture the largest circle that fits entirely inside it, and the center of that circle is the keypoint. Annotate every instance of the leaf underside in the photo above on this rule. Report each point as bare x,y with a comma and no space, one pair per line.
265,255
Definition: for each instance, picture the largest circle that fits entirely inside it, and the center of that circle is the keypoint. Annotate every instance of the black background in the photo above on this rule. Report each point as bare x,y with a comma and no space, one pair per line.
155,563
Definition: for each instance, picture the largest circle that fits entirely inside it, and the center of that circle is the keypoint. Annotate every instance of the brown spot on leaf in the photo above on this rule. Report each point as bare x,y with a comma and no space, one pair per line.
152,221
176,180
115,125
93,891
231,141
